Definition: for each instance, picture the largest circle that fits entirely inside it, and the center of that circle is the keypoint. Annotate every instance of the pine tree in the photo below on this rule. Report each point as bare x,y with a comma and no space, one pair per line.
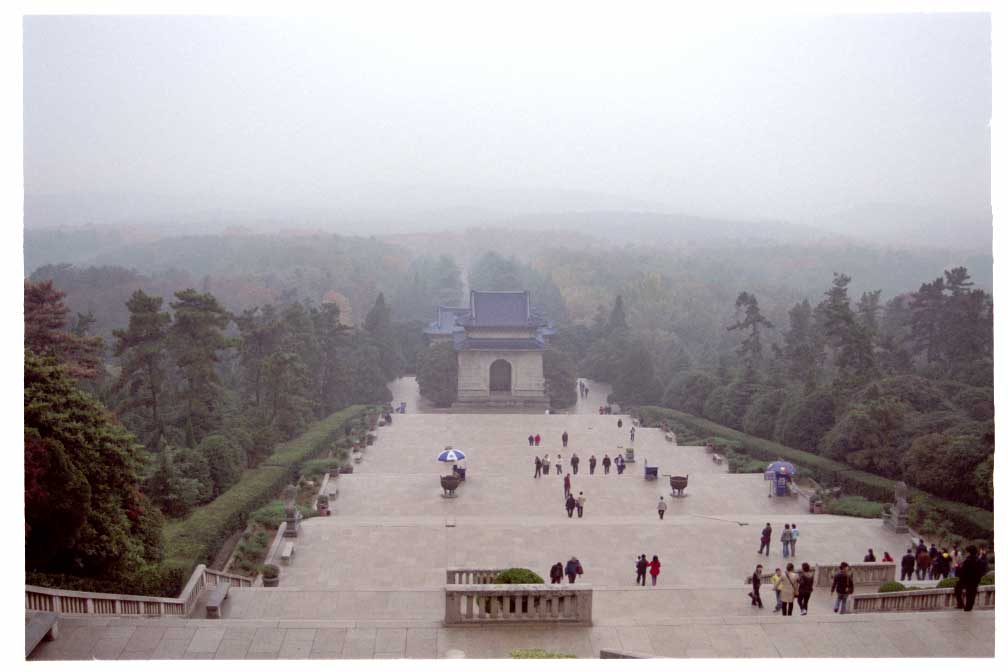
195,339
751,348
141,350
45,320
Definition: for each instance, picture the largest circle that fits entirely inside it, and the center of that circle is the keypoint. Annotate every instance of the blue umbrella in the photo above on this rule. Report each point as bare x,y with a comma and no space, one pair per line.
451,455
781,467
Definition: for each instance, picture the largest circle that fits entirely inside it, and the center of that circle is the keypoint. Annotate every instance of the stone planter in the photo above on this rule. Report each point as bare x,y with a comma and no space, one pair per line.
271,583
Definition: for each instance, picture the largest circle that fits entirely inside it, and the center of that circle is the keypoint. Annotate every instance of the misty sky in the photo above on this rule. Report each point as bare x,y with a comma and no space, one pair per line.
780,117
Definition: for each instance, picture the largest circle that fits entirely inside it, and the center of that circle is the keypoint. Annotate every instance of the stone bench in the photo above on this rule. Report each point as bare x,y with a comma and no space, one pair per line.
717,458
215,600
40,626
288,553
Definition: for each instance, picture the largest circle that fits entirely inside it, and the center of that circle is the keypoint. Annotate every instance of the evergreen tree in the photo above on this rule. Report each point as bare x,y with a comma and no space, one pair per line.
195,339
801,350
84,512
437,374
617,318
751,349
45,321
141,352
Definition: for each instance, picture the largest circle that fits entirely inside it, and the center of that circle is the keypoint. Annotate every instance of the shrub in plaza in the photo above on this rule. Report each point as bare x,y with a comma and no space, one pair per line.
948,582
928,514
855,505
518,575
892,587
539,653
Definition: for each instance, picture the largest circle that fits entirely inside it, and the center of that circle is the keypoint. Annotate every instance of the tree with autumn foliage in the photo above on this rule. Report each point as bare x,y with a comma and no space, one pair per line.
46,331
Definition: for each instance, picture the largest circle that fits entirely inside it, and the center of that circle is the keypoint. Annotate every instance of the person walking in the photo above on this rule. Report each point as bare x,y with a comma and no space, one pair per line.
563,438
556,573
806,581
531,440
957,558
765,537
886,557
570,504
923,565
655,569
545,464
944,564
907,566
620,464
662,505
843,586
573,569
870,557
538,466
575,461
580,501
757,580
776,579
606,463
537,439
633,430
641,569
789,590
559,464
794,538
591,465
566,483
933,552
785,538
970,573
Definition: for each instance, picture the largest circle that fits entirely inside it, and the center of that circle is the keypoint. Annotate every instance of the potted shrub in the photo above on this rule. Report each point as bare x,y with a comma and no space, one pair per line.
370,439
271,576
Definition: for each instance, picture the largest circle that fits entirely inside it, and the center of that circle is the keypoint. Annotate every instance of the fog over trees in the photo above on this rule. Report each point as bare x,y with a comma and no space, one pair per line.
781,225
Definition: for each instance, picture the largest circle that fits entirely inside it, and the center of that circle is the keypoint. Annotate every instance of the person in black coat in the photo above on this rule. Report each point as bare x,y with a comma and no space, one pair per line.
570,505
556,573
970,573
641,569
907,565
757,579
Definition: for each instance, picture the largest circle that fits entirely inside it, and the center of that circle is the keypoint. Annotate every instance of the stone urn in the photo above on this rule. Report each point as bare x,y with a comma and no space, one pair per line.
449,484
271,576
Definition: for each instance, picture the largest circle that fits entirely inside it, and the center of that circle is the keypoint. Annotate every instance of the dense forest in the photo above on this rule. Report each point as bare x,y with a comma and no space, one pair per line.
193,357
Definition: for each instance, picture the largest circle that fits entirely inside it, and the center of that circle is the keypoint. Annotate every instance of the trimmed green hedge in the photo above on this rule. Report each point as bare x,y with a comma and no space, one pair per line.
539,653
892,587
518,575
855,506
199,536
968,521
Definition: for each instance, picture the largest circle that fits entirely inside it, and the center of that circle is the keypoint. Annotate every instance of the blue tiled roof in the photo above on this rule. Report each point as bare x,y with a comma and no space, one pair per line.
501,309
445,323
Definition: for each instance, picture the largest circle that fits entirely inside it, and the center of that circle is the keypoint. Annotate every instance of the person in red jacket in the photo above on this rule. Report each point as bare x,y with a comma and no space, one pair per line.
655,569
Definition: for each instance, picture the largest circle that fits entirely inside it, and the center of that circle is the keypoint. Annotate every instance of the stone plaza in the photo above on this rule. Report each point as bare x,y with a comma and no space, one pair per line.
368,581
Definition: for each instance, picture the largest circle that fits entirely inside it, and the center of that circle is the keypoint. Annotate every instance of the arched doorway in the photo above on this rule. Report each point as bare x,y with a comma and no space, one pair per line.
500,376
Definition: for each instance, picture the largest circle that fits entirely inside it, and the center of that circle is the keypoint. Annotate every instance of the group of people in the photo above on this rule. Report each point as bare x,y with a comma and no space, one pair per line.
643,567
572,569
788,539
932,563
542,464
605,410
790,586
582,389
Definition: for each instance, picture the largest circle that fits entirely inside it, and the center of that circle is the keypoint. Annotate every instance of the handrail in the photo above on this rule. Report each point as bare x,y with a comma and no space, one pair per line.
83,603
918,600
518,603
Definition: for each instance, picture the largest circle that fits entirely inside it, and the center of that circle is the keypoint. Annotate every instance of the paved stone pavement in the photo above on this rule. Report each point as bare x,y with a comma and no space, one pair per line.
367,581
938,634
